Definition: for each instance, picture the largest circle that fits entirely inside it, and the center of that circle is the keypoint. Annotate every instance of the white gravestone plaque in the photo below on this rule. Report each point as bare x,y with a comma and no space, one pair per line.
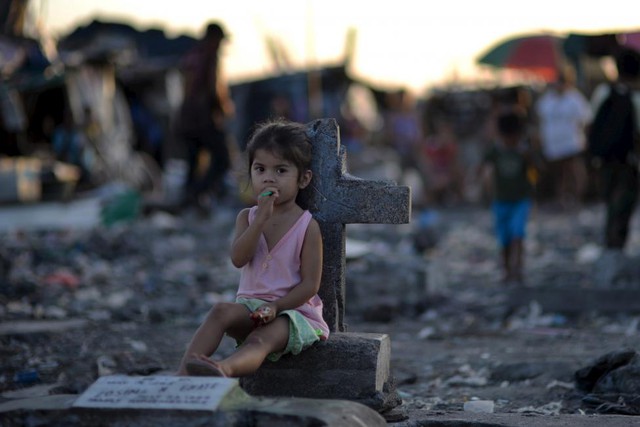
156,392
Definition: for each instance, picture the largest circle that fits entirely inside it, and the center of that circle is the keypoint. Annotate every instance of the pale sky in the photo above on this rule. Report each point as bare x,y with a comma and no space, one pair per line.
412,43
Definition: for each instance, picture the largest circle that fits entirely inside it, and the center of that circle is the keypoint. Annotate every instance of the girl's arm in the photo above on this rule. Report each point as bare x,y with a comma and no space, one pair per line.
246,236
245,239
310,273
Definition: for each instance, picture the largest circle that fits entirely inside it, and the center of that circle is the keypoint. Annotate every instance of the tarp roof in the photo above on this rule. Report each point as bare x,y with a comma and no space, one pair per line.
103,37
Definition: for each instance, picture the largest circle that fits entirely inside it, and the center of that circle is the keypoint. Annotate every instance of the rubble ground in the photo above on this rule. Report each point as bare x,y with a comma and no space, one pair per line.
77,304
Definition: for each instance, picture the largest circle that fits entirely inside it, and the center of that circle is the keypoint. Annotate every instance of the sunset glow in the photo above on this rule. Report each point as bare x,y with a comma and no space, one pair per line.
401,43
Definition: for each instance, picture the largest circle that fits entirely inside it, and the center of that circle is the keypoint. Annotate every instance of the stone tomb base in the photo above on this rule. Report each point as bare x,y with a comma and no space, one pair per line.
349,366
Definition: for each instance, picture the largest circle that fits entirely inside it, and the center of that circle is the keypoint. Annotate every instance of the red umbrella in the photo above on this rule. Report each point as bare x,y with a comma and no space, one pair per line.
537,54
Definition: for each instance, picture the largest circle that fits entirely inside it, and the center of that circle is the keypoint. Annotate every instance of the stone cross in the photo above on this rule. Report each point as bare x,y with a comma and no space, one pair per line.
335,199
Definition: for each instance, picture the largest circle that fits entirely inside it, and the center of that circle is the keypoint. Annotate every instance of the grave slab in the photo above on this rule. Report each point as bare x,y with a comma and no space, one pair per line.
186,401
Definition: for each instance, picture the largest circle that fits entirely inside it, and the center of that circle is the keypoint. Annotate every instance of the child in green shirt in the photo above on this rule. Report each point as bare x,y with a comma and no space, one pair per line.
510,160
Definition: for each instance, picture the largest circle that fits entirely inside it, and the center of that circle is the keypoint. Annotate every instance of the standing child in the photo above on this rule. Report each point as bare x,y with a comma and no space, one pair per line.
511,162
278,245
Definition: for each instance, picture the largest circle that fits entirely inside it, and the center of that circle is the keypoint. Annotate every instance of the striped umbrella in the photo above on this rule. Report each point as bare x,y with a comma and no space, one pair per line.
540,55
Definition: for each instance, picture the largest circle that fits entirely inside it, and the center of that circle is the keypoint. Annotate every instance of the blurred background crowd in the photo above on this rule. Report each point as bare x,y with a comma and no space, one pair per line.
108,102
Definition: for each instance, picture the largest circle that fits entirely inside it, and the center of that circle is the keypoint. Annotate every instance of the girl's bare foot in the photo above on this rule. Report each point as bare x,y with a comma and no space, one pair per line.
202,366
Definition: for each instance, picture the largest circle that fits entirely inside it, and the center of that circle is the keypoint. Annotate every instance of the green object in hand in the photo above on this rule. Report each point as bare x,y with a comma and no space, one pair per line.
266,193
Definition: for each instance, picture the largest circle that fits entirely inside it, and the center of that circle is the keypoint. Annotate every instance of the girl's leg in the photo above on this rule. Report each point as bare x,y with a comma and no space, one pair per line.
258,344
223,317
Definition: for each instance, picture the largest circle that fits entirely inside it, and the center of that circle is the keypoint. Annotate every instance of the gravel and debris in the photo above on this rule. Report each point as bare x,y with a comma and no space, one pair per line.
80,303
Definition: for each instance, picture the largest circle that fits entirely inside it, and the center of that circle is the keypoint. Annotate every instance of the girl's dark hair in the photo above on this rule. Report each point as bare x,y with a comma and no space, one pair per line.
283,138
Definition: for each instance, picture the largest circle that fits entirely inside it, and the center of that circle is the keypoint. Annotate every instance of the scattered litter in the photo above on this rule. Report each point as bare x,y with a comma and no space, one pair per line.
33,391
482,406
106,365
588,253
27,377
138,346
552,408
560,384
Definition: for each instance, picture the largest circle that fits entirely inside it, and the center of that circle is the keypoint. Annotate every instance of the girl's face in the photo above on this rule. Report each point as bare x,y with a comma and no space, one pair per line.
270,172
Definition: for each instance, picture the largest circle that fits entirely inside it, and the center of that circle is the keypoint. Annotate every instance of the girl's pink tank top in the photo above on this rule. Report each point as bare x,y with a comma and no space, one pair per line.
272,274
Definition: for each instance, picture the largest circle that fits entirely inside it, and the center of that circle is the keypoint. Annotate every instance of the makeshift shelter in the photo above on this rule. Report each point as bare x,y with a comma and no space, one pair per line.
145,69
301,96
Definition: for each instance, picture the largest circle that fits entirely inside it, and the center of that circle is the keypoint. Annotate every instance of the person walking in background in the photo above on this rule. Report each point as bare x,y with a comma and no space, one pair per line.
563,114
613,142
202,120
510,160
403,133
440,165
278,245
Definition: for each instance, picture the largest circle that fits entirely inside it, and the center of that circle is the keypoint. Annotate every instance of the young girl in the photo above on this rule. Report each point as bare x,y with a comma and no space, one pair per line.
279,248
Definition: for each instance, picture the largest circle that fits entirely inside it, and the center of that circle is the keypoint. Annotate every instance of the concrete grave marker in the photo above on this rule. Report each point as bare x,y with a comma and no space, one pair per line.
336,198
348,366
160,401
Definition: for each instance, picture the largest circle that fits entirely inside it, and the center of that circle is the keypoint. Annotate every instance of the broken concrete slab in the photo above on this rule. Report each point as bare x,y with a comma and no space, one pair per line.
172,400
27,392
55,402
40,326
77,214
577,300
475,419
